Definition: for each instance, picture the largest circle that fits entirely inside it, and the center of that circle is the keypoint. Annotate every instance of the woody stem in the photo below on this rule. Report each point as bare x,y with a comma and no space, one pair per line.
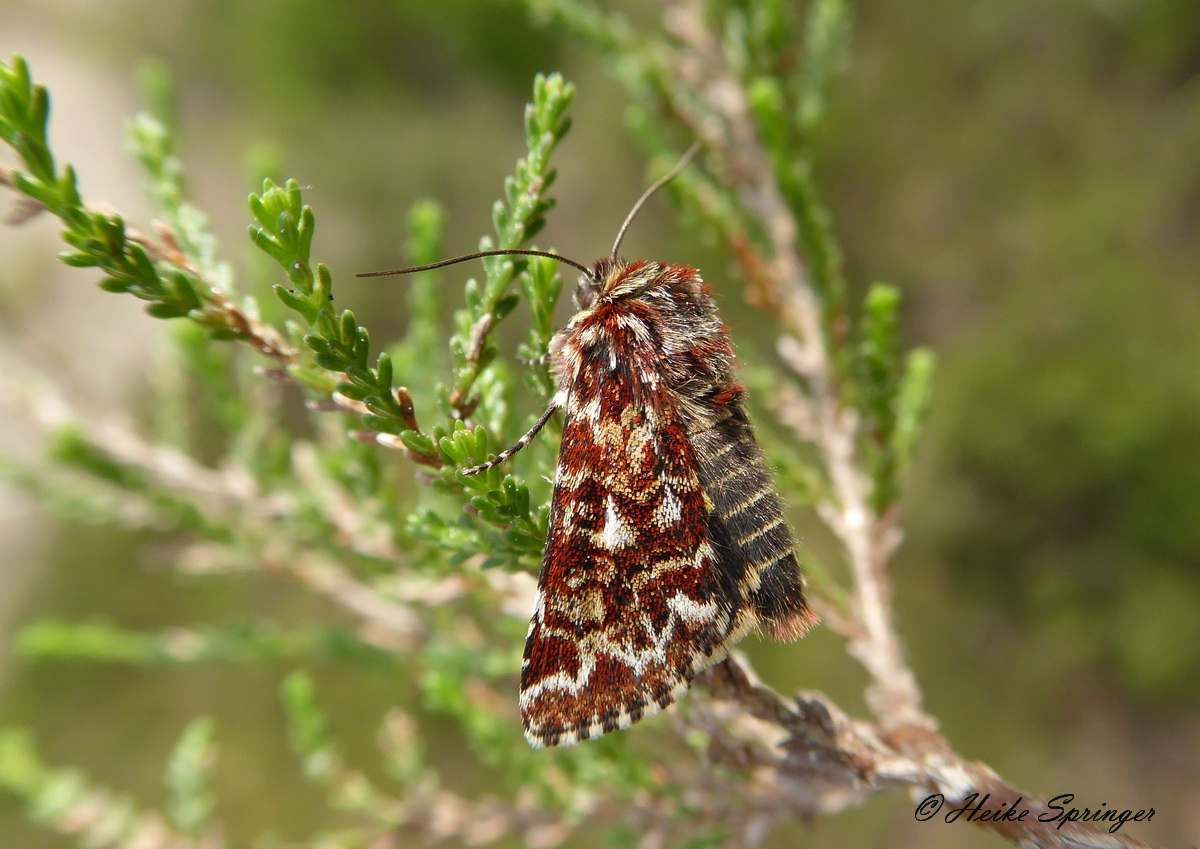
869,540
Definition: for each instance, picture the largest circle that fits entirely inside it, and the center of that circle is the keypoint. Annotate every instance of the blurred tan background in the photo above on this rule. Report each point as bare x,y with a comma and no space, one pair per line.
1027,171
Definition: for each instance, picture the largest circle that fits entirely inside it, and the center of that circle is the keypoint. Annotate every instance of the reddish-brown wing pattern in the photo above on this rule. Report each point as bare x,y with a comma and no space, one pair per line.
667,542
630,603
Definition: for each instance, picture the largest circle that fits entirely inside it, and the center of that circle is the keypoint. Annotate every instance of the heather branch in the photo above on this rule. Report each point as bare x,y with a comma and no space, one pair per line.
822,761
831,423
517,220
827,760
155,482
224,505
341,346
154,269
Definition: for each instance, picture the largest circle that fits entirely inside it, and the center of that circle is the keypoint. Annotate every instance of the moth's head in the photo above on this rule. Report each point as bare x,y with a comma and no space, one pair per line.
589,285
610,279
614,280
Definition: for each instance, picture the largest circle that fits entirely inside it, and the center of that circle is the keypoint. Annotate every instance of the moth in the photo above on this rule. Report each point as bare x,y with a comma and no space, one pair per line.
667,542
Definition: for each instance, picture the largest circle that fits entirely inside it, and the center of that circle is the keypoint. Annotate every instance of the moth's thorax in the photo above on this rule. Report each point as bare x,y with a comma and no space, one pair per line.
657,320
613,280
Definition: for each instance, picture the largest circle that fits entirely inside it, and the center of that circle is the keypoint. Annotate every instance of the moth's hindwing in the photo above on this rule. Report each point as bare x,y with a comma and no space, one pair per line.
754,546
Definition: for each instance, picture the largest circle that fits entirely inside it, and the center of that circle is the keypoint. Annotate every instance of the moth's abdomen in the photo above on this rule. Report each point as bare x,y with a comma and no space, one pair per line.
753,543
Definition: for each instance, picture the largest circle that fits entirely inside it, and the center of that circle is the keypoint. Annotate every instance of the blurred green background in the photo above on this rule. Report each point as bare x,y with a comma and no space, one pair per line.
1027,171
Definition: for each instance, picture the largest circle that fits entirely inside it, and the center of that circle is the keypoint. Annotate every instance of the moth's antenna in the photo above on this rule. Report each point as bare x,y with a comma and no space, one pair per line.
477,255
662,181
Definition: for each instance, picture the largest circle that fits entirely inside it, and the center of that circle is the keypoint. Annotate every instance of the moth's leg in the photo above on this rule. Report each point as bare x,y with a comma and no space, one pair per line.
521,443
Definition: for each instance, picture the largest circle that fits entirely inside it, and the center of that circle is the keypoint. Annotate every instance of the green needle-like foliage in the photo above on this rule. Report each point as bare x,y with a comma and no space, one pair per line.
329,512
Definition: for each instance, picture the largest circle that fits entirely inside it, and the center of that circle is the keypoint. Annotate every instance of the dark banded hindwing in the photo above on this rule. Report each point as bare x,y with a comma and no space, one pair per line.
753,543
